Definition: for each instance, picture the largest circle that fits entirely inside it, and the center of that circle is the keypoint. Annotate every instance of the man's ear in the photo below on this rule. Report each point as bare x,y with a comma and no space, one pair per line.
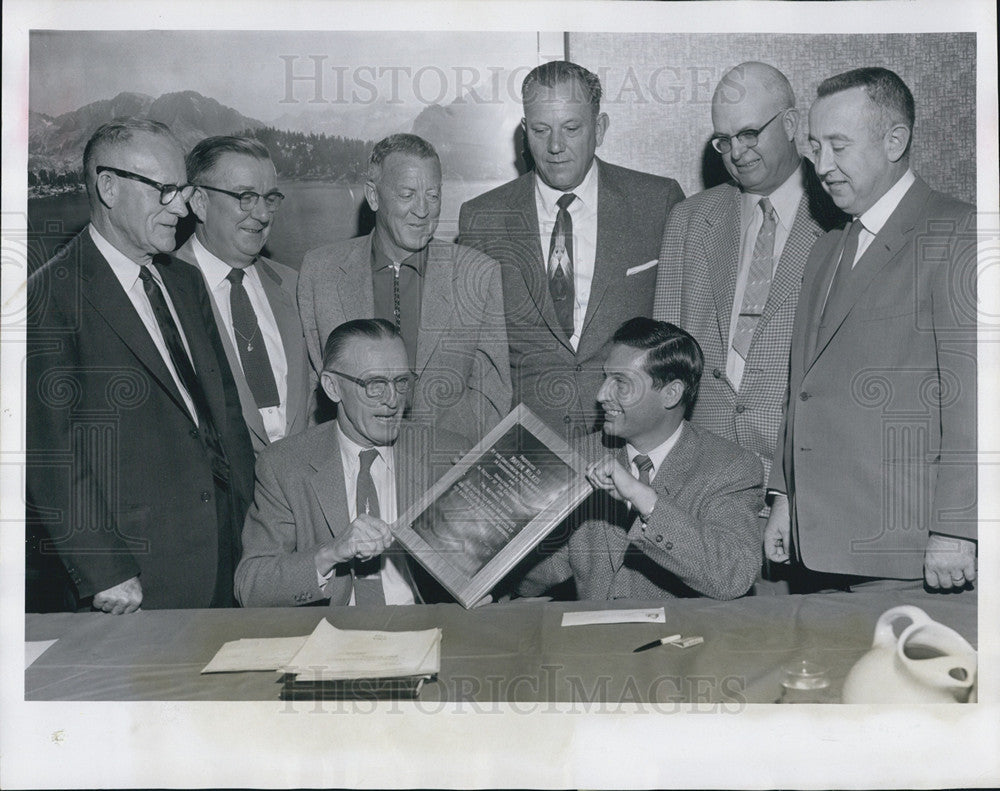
601,124
331,386
672,393
108,188
895,141
790,123
199,204
371,195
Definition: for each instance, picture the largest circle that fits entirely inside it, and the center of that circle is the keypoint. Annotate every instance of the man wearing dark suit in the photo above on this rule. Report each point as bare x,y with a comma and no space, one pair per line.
874,478
318,526
577,241
732,258
445,300
253,298
139,465
675,513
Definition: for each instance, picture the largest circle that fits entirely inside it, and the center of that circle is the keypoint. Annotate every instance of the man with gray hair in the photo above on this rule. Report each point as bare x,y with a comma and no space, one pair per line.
253,298
444,299
139,466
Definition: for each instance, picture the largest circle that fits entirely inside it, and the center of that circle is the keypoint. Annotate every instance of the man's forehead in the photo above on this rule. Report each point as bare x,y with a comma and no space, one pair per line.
243,167
625,359
570,91
371,356
145,150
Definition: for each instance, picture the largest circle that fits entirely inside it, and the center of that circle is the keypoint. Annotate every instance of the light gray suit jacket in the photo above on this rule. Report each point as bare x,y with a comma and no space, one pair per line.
702,539
279,285
462,363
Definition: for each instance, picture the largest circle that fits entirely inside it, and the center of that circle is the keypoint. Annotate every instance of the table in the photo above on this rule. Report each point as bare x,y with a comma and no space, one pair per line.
517,651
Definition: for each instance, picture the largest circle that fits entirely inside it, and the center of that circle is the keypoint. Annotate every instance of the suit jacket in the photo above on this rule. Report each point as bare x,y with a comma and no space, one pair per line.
117,476
559,384
300,503
879,440
702,538
279,286
464,374
696,287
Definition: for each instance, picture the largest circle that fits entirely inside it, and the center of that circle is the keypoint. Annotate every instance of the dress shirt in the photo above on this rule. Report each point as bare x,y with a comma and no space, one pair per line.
876,217
583,211
785,202
411,283
397,584
215,271
127,272
657,455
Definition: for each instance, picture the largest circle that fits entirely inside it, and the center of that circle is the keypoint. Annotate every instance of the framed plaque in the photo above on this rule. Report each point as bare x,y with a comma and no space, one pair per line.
494,506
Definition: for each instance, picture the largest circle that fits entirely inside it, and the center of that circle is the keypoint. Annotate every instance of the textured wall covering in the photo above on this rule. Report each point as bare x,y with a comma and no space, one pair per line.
659,88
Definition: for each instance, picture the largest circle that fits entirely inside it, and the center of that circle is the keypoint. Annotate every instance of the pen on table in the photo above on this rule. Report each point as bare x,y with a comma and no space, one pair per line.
656,643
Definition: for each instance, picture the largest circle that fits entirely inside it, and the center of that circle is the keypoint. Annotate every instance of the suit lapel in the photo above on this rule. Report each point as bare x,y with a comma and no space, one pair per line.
435,304
354,284
722,244
286,315
327,483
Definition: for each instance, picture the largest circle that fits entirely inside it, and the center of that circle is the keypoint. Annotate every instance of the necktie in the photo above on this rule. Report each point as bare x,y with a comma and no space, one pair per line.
845,268
250,344
395,297
185,370
758,281
367,579
645,466
561,265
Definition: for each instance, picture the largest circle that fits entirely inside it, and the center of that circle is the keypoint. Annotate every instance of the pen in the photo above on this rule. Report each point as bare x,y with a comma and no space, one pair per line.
656,643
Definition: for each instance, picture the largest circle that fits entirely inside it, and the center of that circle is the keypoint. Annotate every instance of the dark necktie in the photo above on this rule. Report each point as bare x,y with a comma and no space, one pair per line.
367,580
561,265
841,279
645,466
758,281
250,343
395,297
185,370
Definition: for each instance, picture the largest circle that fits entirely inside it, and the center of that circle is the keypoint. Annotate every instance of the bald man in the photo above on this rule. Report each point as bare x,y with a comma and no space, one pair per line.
732,258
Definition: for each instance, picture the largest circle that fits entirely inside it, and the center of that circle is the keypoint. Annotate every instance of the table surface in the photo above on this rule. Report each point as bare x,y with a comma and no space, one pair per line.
516,651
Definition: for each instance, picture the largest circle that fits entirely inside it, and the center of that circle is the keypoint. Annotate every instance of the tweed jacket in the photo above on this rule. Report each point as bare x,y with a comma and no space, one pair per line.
559,384
279,286
695,289
462,361
702,538
878,447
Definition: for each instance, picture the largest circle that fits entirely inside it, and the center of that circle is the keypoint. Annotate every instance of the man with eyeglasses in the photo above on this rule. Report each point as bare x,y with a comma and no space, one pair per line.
732,258
318,528
253,298
139,465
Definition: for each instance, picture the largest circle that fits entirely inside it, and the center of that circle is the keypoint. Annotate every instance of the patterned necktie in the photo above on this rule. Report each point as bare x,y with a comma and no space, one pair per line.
367,577
250,343
185,370
758,281
561,265
845,268
645,466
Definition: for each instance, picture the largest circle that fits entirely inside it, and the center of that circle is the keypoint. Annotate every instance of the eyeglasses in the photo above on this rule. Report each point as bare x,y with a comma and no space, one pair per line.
748,137
248,199
376,386
167,191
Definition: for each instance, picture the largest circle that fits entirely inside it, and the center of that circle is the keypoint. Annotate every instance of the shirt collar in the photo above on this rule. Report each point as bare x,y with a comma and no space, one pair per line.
352,449
659,453
123,267
416,261
585,191
214,268
879,214
784,199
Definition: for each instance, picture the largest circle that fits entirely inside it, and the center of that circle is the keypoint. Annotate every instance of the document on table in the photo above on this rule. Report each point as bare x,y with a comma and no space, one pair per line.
651,615
260,653
33,650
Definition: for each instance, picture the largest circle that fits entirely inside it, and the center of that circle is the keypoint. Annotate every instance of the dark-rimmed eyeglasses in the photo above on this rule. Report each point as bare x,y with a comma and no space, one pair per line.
377,386
248,198
748,137
167,191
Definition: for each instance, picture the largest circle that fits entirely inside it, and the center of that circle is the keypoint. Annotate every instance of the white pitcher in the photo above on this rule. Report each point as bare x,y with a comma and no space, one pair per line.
927,663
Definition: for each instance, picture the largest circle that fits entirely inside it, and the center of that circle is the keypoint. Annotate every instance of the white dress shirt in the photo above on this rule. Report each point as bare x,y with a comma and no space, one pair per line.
657,455
876,217
583,211
785,201
215,271
127,272
397,584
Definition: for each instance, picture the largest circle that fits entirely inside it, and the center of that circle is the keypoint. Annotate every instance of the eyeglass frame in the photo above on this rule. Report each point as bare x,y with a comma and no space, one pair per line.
173,189
410,378
245,194
718,141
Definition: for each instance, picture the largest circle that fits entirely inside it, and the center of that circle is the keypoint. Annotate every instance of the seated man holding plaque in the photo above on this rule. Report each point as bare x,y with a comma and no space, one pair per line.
675,508
318,528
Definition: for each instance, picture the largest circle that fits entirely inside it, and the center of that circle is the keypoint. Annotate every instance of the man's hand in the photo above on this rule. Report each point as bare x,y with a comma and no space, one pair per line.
611,477
949,562
365,538
125,597
777,541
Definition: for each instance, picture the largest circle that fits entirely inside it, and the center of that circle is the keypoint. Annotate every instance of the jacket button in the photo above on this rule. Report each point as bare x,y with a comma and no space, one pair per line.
668,546
659,539
567,419
579,368
205,497
740,409
803,396
717,373
194,433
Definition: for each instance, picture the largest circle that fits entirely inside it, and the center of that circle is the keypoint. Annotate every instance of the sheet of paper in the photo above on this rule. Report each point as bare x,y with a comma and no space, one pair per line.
263,653
653,615
330,653
33,650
